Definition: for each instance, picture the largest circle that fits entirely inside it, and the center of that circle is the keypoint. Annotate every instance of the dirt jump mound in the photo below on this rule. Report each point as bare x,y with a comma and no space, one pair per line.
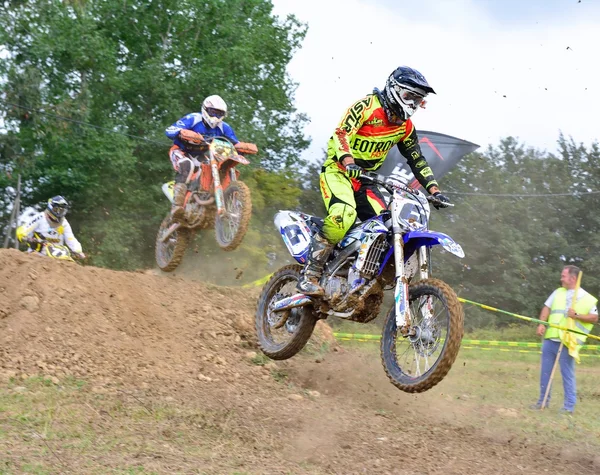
62,319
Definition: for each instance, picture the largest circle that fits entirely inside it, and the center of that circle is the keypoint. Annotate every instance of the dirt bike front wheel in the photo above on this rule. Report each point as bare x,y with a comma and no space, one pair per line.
231,226
418,361
283,334
169,252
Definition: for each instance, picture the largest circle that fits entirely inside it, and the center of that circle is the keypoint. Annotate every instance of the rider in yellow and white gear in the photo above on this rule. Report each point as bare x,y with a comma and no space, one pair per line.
50,226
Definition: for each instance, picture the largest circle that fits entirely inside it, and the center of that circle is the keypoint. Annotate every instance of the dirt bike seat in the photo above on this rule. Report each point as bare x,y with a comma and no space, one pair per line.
318,222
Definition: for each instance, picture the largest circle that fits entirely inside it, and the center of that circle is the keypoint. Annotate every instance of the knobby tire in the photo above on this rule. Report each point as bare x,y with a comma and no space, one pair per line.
300,337
455,330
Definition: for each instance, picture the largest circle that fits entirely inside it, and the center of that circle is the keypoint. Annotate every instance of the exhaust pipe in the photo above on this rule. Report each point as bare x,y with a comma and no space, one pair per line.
298,300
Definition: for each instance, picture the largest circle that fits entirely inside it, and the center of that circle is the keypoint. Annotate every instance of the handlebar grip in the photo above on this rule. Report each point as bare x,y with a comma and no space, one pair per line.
432,199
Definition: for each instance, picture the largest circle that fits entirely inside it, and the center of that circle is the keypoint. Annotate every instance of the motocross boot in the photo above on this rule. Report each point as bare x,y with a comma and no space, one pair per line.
319,251
177,212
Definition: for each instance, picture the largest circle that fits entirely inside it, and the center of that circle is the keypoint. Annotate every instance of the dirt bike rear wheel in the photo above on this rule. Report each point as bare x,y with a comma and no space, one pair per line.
170,253
417,363
299,324
231,227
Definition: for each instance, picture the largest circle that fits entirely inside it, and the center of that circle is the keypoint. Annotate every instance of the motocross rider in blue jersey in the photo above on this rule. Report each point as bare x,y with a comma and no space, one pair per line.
188,135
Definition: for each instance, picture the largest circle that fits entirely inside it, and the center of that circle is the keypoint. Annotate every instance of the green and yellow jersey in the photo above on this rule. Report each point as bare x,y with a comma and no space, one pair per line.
366,134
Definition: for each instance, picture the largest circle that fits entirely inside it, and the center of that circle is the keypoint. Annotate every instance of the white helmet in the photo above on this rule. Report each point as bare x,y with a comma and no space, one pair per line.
57,209
214,110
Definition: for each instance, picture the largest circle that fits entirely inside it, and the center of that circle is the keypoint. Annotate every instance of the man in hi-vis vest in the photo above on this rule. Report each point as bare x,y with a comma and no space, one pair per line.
557,310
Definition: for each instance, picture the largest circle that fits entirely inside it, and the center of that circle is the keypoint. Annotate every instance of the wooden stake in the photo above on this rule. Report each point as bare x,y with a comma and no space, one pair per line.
551,376
18,210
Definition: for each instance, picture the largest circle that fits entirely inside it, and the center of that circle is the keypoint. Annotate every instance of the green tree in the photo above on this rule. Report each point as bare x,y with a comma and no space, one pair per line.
515,243
130,69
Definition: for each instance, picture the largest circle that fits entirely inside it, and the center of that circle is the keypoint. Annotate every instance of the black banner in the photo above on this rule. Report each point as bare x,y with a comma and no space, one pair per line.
442,152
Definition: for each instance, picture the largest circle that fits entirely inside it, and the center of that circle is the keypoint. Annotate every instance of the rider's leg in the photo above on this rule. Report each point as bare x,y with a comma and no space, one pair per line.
338,196
369,201
184,167
319,251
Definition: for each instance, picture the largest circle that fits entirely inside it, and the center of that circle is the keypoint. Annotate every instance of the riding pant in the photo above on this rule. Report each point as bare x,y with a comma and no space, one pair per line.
345,200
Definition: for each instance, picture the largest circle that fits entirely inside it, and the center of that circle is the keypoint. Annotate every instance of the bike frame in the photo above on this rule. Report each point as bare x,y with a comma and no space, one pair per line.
410,238
219,158
217,162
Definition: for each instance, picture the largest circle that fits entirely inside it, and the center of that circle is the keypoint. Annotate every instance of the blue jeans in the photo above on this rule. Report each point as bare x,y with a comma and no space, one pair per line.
567,370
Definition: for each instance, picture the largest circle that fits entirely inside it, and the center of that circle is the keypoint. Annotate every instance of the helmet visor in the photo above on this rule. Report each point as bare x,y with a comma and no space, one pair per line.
218,113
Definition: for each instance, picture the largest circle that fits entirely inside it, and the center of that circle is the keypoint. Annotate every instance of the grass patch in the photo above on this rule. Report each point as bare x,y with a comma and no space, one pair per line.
49,428
316,348
493,389
279,375
260,359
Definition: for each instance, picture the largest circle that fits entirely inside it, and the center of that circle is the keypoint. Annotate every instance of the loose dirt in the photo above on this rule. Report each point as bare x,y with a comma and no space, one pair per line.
162,375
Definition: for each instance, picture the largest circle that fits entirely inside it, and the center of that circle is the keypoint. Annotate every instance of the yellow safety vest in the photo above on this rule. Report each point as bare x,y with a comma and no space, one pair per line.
558,315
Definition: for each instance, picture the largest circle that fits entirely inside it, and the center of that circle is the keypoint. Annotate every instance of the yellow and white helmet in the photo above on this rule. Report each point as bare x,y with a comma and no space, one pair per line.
214,110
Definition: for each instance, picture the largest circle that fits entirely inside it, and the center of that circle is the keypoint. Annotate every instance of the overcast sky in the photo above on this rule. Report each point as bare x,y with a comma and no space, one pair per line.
526,68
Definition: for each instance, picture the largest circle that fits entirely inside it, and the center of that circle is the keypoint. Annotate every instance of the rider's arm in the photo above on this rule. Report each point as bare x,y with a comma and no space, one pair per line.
70,239
351,121
229,134
411,150
186,122
25,231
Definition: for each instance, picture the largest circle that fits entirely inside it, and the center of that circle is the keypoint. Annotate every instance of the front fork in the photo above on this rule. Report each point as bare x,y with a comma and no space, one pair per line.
426,303
217,184
401,290
403,317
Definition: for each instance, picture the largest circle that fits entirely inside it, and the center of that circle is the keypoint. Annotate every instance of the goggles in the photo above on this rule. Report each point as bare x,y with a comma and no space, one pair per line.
219,114
410,97
59,211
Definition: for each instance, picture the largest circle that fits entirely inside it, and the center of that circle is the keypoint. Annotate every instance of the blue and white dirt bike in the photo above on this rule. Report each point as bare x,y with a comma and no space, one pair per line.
422,331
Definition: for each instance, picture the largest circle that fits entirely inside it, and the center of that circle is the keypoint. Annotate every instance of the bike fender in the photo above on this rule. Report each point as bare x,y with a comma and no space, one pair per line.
57,251
416,239
239,159
295,234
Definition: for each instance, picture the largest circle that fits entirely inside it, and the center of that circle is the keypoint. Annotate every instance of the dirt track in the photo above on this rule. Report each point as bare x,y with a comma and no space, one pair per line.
186,345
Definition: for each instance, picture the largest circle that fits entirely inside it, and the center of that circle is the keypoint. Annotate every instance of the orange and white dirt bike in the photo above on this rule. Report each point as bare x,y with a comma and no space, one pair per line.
215,196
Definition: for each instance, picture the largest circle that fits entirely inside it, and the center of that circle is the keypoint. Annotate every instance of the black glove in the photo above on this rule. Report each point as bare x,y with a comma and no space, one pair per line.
353,170
442,200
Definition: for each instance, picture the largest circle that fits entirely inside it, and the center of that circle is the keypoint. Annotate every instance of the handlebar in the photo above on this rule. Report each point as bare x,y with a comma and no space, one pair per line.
390,187
433,200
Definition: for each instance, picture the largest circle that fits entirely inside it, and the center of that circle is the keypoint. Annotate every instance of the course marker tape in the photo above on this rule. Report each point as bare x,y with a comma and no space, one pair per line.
472,347
521,344
528,319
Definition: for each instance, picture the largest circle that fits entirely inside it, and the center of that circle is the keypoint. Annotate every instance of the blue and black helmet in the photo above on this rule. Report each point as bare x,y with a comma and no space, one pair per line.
404,91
